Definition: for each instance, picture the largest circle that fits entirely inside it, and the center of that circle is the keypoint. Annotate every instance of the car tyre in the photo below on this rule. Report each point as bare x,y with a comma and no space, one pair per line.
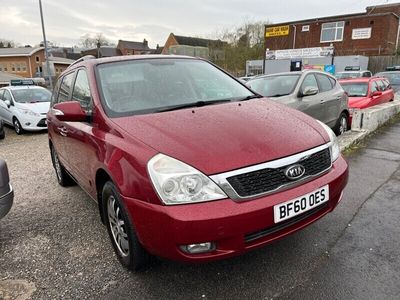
17,126
342,124
124,239
63,178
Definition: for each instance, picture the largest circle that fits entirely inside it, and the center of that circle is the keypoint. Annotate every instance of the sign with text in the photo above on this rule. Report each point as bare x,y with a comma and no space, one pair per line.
277,31
361,33
299,53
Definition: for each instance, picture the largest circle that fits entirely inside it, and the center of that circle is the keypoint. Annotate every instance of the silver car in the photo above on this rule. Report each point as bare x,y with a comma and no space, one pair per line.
315,93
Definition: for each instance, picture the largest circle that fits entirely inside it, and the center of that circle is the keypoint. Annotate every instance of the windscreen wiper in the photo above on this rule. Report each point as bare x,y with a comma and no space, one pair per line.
250,97
278,95
193,104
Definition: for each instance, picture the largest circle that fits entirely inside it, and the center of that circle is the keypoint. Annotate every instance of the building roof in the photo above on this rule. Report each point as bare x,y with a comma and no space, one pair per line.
133,45
61,60
105,51
196,42
6,77
25,51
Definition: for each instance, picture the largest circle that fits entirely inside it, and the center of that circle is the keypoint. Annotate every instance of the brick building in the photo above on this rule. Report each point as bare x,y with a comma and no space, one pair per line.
26,62
373,32
134,48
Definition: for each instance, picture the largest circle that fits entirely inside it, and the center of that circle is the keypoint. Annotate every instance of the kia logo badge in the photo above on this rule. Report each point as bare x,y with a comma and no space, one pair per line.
295,172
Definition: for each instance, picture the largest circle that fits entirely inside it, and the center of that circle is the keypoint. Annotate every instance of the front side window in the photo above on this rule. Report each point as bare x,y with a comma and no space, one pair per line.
274,86
153,85
7,96
81,92
65,88
374,87
308,82
324,83
332,32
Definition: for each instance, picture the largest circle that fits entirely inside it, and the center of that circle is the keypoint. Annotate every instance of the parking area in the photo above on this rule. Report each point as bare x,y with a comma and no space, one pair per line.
53,245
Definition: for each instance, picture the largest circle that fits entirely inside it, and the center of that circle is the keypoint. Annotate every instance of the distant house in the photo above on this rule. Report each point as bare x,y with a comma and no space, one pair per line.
26,62
134,48
192,46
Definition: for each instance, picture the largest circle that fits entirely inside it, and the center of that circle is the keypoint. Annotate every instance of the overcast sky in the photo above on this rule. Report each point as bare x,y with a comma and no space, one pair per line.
67,20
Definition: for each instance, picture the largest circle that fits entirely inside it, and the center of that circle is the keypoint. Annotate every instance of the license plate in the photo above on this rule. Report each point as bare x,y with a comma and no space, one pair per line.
294,207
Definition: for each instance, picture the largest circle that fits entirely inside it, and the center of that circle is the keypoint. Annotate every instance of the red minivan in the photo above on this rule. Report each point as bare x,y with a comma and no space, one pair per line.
187,163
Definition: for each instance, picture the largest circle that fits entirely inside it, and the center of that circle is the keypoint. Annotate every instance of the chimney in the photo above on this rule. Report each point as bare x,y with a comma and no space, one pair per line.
145,43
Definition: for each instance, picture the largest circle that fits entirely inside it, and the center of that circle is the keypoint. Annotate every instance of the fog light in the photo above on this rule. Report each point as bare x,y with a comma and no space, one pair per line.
198,248
27,123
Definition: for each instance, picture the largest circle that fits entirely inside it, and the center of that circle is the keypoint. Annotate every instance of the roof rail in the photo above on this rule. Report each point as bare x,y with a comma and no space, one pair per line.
83,58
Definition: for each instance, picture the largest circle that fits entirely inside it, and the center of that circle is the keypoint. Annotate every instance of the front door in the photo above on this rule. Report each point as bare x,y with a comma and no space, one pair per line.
5,110
312,105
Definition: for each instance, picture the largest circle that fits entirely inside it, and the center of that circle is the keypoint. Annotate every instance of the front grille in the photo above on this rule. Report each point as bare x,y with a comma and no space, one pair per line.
42,123
270,179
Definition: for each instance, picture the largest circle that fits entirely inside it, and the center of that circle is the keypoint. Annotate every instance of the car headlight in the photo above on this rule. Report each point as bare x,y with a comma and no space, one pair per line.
179,183
333,144
29,112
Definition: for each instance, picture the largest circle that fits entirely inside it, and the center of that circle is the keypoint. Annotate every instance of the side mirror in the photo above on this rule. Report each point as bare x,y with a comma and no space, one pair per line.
8,103
376,93
309,91
70,111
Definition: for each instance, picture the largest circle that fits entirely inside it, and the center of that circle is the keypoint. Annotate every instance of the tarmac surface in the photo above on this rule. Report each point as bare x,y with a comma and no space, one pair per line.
53,245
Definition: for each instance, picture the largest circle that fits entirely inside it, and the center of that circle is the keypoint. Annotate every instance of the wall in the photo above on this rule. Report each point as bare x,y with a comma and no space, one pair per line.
171,41
379,63
28,65
382,41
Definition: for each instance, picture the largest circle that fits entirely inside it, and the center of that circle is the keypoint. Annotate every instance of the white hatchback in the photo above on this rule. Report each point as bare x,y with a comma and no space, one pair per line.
24,107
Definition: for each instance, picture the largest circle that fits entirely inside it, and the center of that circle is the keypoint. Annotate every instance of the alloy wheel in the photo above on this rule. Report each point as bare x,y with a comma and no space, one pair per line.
57,165
17,126
343,125
117,225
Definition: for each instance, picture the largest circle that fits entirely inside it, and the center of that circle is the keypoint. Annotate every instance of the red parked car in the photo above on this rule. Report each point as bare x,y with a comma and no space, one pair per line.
185,161
367,92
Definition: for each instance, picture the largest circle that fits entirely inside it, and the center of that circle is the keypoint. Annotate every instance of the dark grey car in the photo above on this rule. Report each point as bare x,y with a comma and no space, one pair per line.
315,93
6,191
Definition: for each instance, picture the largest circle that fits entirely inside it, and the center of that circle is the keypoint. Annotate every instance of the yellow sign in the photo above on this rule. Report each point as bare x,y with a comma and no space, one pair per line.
277,31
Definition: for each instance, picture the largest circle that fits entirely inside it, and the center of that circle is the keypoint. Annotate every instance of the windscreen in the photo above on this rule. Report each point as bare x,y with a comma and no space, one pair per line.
30,95
152,85
274,86
358,89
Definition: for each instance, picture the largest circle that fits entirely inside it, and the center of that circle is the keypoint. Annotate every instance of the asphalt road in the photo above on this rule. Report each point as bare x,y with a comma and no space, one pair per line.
53,245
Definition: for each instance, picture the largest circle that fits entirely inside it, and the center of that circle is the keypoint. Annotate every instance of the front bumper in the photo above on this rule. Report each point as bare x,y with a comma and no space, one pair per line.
235,227
6,202
33,123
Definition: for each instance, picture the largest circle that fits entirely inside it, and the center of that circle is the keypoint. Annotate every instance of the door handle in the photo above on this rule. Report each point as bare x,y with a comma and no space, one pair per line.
63,131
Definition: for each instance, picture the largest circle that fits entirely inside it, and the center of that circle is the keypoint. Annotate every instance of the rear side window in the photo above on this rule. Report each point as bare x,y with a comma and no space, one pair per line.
309,81
324,83
81,91
367,74
333,81
65,88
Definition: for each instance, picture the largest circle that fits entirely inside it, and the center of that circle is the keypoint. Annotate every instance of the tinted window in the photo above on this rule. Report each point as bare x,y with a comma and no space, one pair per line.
367,74
333,81
153,85
274,86
65,88
81,91
324,83
309,81
1,94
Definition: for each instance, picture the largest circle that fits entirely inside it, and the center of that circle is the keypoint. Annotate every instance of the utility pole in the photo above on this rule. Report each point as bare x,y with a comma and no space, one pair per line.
46,53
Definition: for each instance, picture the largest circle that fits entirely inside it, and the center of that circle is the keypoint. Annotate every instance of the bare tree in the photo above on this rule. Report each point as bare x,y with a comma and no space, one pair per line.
88,41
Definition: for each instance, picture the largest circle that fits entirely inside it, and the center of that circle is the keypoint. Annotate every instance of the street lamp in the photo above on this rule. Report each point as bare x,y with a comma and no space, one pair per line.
46,53
98,49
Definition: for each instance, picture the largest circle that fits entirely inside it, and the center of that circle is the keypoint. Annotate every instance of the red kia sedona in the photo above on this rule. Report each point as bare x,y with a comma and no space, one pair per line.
185,162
